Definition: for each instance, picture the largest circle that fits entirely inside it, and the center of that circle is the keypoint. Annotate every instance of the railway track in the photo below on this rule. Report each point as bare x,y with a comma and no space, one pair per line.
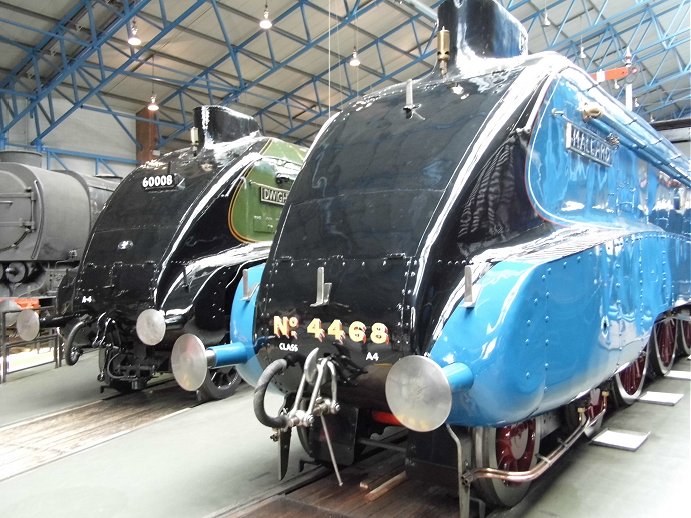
31,443
376,486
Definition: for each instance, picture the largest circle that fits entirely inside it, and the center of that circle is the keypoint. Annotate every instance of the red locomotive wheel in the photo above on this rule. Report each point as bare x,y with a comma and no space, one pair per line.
595,409
510,448
684,338
664,345
595,405
516,446
628,383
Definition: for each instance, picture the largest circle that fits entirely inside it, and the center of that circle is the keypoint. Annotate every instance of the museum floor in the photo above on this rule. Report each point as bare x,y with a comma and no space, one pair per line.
206,460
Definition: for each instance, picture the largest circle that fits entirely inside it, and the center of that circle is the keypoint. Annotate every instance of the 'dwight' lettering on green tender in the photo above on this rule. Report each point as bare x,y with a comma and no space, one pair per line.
254,211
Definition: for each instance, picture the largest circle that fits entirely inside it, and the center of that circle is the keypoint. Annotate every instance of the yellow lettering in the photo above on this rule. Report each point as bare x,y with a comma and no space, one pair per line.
281,326
356,332
380,334
315,328
284,326
336,330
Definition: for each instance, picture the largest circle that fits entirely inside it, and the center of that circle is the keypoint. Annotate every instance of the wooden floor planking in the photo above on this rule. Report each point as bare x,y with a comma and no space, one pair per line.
28,445
324,498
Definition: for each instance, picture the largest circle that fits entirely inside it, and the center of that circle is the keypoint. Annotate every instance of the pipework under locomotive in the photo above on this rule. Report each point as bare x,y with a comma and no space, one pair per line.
481,255
168,249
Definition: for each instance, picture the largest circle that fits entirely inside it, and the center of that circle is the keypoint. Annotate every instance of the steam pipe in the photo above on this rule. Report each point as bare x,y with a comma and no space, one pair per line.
70,339
545,462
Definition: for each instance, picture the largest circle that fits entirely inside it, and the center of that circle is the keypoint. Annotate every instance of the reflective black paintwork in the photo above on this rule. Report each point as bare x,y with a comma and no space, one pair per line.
146,242
393,208
481,29
175,236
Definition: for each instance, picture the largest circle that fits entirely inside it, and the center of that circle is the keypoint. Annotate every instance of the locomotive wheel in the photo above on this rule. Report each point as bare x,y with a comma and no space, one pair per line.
684,338
219,384
511,448
664,346
628,383
594,406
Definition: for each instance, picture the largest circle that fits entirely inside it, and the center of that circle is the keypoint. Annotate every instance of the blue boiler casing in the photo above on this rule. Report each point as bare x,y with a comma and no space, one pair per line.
562,315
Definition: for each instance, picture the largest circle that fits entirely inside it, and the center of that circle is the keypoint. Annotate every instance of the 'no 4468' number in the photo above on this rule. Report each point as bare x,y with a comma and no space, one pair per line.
357,331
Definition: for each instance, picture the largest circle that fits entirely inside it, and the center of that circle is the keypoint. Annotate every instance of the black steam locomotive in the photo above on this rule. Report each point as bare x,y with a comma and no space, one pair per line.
169,247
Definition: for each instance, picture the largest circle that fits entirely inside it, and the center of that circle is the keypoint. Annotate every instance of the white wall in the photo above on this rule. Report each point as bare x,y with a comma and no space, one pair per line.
84,131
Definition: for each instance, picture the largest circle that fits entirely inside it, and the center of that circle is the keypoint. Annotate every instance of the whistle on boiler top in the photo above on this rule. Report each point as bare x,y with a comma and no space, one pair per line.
443,50
194,139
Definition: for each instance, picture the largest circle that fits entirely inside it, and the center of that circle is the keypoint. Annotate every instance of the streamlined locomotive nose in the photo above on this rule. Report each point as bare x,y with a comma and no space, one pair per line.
364,335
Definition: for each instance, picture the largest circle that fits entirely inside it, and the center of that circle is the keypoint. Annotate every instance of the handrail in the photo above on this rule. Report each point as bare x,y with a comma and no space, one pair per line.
6,346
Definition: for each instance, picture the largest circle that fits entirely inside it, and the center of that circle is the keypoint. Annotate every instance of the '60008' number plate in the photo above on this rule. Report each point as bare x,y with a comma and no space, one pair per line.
159,181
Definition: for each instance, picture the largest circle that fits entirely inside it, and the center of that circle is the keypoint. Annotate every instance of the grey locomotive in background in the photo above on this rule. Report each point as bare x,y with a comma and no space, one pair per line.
45,219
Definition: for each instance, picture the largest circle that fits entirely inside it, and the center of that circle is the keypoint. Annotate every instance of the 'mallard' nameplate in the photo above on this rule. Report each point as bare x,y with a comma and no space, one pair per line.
588,144
272,195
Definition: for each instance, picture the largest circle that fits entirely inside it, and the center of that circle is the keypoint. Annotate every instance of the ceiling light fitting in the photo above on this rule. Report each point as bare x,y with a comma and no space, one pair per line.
133,39
628,57
152,106
545,20
265,22
582,54
354,60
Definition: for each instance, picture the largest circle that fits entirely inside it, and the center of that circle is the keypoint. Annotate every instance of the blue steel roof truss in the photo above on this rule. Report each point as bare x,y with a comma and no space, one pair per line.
68,60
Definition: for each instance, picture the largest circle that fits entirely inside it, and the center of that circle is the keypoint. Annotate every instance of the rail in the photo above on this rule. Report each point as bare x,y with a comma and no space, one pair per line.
7,343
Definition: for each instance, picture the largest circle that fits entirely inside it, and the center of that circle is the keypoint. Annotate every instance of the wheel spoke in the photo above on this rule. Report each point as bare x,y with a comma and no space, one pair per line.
685,337
594,409
632,375
665,335
664,344
628,383
509,448
219,384
509,457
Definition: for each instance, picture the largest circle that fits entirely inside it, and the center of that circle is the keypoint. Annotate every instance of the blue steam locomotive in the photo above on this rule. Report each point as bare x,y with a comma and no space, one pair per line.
481,255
